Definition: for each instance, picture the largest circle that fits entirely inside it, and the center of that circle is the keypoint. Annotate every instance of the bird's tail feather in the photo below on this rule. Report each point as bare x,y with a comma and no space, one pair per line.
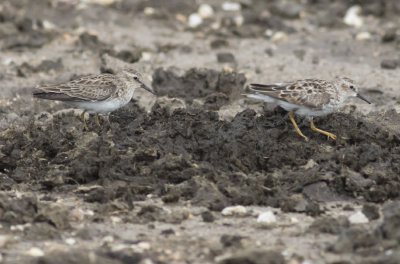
262,97
49,95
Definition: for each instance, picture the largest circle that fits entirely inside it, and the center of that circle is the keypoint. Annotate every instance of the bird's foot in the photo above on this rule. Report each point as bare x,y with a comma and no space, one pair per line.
326,133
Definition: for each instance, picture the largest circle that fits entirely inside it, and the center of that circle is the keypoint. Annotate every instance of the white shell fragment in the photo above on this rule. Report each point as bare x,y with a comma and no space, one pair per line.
267,218
195,20
231,6
205,11
363,36
353,17
237,210
358,218
279,37
35,252
148,11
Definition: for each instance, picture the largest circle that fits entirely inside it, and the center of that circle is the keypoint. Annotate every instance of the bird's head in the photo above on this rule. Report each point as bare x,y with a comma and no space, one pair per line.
349,88
134,76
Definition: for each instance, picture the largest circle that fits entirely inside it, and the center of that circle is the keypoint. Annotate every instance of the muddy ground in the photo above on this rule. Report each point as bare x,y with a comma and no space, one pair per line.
156,182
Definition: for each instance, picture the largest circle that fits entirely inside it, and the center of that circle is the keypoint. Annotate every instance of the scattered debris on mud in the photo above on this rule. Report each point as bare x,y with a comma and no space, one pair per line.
170,178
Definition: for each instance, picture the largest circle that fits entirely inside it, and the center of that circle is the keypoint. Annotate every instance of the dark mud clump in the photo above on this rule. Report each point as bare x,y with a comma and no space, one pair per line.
203,159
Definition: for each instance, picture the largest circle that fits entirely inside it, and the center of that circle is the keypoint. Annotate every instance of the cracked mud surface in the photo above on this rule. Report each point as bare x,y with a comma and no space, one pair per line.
151,184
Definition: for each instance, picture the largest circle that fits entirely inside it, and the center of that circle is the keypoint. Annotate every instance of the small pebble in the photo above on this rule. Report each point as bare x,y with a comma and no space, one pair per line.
146,56
205,11
389,64
389,35
218,43
288,10
195,20
148,11
266,218
279,37
35,252
48,25
353,17
4,239
107,240
225,57
358,218
371,211
181,18
144,245
70,241
299,53
17,227
237,210
207,217
102,2
115,219
310,164
315,60
239,20
231,6
146,261
216,25
363,36
268,33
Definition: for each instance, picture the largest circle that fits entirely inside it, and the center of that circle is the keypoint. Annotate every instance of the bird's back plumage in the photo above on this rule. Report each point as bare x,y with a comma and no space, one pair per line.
308,93
88,88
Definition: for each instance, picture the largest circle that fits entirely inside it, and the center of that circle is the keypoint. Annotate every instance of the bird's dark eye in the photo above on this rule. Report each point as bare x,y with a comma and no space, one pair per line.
352,87
135,78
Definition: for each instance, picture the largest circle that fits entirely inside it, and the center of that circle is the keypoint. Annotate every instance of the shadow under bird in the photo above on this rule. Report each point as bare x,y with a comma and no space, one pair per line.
309,98
95,94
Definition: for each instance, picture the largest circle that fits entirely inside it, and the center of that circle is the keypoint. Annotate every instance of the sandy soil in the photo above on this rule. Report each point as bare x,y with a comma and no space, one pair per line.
157,182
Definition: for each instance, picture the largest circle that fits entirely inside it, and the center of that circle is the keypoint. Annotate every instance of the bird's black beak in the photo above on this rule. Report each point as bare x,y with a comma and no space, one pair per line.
363,98
144,86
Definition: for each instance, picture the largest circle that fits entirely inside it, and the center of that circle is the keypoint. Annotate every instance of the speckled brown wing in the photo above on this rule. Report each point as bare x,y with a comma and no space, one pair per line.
89,88
310,93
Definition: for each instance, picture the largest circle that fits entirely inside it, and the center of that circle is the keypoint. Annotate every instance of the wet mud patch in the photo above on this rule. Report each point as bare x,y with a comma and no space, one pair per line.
191,154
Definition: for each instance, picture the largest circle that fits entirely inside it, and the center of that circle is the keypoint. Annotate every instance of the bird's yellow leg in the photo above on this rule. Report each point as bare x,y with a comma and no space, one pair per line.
84,121
330,135
296,127
96,119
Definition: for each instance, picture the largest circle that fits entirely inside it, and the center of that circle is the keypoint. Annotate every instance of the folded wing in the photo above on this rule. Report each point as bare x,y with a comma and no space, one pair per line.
309,93
87,88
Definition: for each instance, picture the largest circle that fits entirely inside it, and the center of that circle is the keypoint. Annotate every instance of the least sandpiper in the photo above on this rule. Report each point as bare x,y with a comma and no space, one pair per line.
308,98
95,94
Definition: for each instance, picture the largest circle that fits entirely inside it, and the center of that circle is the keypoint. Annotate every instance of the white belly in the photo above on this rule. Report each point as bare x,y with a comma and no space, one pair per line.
298,109
101,106
303,111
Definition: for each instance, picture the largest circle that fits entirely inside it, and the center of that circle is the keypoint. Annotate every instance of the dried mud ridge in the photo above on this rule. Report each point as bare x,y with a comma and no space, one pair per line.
212,162
190,154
